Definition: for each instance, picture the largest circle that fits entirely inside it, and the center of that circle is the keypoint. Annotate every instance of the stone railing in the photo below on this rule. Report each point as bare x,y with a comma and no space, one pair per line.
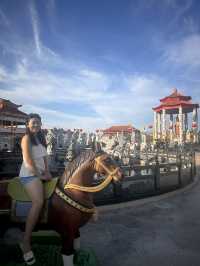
150,179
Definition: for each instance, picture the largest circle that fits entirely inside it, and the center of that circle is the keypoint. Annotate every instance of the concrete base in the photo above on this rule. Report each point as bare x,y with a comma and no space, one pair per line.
77,243
68,260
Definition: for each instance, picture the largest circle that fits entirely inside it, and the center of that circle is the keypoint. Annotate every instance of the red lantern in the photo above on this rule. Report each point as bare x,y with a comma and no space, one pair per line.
150,126
194,125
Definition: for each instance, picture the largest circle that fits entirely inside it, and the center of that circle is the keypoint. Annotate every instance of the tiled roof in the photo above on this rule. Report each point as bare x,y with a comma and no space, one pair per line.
9,108
115,129
176,95
175,100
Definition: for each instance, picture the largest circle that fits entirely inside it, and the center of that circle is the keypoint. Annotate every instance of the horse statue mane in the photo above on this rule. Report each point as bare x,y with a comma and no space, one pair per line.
84,157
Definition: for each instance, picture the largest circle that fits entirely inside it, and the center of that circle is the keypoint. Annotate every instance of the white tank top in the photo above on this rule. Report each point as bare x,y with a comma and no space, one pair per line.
38,153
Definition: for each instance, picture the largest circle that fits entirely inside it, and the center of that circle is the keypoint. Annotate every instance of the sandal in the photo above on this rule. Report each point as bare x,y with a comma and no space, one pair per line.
29,257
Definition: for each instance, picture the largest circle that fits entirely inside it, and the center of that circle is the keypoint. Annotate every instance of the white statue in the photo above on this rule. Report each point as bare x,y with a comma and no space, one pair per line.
51,142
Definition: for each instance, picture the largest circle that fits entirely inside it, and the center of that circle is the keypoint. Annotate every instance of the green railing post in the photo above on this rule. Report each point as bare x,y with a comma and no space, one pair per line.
179,170
194,163
157,175
191,166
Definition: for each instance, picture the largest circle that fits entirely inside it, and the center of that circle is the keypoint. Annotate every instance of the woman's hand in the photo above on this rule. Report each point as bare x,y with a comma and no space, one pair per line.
47,175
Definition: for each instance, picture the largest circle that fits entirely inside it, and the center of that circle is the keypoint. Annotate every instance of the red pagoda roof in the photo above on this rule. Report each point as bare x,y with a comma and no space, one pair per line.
175,95
120,129
174,101
9,108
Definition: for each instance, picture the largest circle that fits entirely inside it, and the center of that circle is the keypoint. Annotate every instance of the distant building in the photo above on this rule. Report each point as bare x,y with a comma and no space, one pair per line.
120,134
10,120
115,130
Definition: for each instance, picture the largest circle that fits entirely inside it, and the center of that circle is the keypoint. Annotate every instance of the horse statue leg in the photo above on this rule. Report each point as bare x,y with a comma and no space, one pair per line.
76,242
67,249
70,243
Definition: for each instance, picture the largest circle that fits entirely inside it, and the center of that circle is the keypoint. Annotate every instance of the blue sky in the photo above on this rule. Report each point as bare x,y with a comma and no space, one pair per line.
93,64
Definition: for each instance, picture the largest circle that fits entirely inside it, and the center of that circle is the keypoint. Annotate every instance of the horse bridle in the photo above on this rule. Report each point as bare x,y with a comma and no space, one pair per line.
99,187
112,174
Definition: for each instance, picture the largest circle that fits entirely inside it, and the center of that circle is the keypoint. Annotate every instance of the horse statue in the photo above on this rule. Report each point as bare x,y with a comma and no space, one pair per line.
70,205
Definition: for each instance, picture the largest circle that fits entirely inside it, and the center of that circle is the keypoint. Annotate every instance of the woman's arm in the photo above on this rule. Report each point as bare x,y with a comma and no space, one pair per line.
47,172
28,160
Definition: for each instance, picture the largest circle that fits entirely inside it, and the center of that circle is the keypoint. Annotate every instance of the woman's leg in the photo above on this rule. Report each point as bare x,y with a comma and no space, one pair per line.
35,192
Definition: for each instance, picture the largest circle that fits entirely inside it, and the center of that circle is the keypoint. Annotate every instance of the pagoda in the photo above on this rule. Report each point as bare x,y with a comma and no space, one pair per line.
176,107
10,118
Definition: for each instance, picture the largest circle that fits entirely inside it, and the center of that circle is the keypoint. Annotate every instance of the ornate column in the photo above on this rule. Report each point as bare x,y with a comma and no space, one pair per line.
159,125
171,128
184,127
155,128
163,124
195,123
186,122
180,125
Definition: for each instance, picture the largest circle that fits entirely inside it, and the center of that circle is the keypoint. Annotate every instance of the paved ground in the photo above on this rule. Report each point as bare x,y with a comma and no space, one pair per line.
165,232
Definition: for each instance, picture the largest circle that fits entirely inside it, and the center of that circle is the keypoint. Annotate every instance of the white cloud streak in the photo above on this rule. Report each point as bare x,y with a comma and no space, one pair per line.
87,87
52,4
181,8
52,118
185,52
3,19
35,26
2,73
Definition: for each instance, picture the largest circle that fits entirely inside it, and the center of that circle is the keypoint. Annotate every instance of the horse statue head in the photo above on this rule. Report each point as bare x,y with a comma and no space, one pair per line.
81,170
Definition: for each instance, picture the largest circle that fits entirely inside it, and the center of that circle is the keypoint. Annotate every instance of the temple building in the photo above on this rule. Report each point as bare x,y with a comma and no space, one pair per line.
171,119
10,120
115,130
117,133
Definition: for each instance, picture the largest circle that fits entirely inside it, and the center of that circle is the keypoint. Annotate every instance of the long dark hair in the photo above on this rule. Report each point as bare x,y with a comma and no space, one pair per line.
40,135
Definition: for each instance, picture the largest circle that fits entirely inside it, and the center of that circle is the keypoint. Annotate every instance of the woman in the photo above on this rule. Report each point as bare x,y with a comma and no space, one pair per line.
34,169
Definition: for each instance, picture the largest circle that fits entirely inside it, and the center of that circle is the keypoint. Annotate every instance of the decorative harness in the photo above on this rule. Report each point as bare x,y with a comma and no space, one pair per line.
87,189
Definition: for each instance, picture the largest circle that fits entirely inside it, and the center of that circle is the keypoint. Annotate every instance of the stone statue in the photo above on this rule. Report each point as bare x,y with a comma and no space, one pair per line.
51,147
51,142
75,147
71,153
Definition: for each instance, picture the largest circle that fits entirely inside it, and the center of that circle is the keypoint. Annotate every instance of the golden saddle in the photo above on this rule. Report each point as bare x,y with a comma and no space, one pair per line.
17,192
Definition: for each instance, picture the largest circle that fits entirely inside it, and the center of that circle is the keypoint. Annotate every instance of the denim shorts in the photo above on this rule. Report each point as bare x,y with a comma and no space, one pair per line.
27,179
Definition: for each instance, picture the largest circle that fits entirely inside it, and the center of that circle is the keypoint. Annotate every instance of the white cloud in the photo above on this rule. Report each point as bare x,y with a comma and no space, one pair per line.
185,52
3,19
52,118
3,73
190,25
147,85
91,74
126,104
181,8
134,102
43,83
43,80
35,26
52,4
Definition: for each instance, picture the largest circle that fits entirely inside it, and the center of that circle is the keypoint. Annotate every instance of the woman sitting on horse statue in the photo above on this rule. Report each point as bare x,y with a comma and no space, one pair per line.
34,168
